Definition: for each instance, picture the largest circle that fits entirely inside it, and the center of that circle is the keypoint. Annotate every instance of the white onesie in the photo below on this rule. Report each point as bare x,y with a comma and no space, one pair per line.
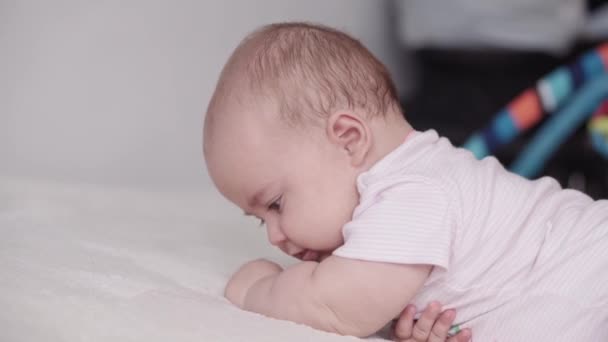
519,260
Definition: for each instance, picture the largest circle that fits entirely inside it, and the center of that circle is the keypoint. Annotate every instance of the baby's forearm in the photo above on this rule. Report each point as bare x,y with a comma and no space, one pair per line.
345,296
293,295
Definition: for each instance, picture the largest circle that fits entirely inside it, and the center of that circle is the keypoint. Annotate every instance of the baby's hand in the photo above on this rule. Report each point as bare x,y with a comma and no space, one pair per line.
432,326
250,273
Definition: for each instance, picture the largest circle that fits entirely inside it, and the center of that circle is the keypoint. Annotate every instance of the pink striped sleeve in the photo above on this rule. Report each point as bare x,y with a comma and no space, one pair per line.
409,223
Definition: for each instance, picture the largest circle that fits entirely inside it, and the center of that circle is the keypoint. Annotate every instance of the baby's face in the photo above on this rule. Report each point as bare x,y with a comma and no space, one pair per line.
299,184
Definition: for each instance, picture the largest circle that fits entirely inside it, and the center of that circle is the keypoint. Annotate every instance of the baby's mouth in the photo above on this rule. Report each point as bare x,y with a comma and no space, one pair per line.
307,255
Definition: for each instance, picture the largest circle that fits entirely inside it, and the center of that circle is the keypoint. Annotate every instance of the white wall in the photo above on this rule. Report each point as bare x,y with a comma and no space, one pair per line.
113,91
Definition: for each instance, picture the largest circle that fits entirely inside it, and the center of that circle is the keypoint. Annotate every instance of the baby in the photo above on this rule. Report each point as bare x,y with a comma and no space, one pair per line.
305,132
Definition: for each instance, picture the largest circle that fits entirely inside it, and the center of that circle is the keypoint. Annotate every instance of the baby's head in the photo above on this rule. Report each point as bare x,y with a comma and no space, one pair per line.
298,113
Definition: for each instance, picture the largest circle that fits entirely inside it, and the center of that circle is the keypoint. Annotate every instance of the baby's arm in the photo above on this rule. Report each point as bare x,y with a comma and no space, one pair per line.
340,295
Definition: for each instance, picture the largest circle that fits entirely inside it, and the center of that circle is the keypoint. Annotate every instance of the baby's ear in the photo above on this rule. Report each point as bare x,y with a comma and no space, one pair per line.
351,133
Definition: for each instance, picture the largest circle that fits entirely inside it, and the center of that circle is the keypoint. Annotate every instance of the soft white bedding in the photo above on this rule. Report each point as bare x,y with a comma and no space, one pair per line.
89,263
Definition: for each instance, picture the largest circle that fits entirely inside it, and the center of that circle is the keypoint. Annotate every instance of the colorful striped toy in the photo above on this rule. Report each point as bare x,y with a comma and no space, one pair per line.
560,126
553,96
598,129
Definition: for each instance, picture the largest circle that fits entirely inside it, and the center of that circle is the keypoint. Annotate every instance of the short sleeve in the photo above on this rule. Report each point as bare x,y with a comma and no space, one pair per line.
408,223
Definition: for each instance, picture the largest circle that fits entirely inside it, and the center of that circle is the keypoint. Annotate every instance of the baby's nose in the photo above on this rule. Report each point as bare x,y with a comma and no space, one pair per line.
275,235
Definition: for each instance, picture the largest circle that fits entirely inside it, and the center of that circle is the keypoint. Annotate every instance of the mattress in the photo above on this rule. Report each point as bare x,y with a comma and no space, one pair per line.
82,262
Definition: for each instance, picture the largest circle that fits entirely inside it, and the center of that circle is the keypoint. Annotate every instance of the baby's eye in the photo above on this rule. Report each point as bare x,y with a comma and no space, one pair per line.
276,205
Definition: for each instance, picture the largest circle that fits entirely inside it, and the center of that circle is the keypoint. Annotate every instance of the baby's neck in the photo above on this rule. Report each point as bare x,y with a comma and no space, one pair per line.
388,133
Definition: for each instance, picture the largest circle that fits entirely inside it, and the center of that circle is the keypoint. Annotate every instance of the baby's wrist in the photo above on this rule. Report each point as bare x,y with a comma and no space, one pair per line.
260,286
247,277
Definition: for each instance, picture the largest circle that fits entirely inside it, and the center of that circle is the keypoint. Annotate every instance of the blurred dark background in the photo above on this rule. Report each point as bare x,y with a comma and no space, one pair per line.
466,71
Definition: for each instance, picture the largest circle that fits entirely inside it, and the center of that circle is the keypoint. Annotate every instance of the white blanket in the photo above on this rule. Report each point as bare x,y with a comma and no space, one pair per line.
89,263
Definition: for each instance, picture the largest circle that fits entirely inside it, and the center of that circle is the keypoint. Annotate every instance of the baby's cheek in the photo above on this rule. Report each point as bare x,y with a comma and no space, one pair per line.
291,226
297,228
300,230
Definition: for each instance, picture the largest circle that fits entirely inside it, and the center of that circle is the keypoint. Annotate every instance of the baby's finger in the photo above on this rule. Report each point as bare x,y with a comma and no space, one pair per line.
405,324
422,328
441,328
463,336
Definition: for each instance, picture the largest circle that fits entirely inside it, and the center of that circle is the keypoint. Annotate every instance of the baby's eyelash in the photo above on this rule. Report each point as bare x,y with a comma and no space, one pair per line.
276,205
